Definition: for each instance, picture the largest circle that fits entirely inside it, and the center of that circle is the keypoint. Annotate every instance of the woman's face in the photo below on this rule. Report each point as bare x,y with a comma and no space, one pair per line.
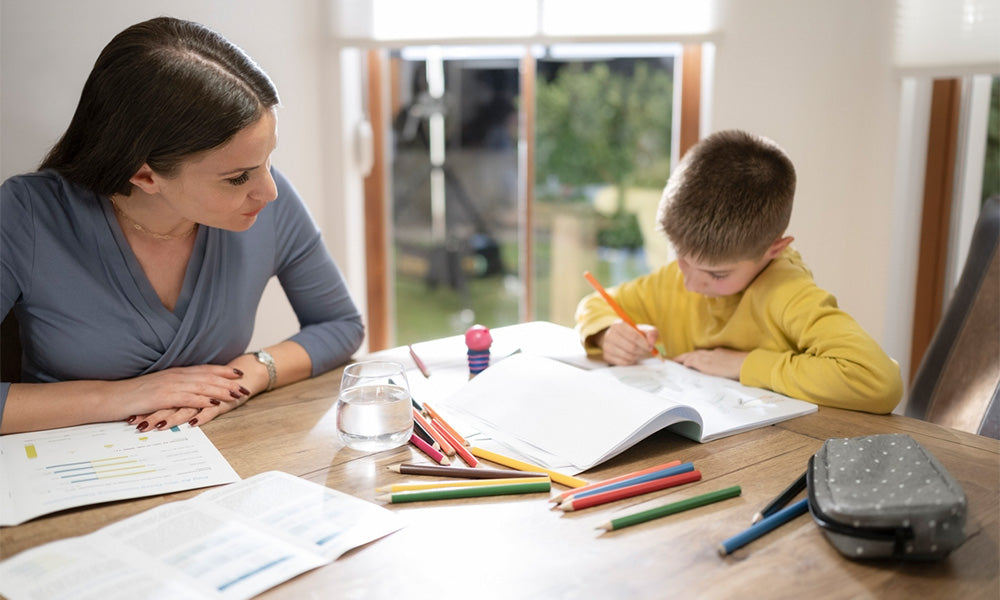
228,186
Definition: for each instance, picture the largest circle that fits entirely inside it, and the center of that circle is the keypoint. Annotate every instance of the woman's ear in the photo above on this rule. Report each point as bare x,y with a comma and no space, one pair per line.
145,179
778,246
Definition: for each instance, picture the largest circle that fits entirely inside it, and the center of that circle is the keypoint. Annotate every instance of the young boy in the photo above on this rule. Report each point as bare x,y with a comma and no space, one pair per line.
738,302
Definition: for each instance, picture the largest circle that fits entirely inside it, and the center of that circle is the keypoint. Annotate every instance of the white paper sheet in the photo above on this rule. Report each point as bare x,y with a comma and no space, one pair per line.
230,543
46,471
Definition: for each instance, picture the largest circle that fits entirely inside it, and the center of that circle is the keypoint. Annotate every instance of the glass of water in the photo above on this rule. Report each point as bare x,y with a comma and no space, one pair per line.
373,410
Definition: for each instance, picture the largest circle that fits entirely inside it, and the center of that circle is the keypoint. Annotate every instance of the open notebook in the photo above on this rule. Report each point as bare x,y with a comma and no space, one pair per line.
564,417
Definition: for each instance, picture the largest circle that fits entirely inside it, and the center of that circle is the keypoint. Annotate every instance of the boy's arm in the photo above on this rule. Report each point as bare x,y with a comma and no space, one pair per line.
836,362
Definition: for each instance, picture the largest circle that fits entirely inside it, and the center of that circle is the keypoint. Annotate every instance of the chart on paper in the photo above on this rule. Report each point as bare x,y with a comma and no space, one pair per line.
46,471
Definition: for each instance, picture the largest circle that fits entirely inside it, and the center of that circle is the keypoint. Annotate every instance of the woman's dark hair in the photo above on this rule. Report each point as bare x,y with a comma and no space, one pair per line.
160,91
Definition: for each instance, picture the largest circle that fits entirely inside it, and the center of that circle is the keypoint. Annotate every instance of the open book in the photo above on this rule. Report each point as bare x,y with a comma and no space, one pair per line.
564,417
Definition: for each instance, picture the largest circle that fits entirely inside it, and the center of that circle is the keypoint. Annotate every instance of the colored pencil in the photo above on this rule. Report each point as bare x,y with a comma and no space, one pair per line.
672,508
429,450
764,526
437,417
420,364
445,446
562,496
478,473
459,448
513,463
660,474
782,499
542,485
422,434
629,492
451,483
614,305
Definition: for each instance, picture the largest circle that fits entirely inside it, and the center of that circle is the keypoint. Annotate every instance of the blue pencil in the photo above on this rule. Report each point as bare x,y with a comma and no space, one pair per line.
763,526
681,468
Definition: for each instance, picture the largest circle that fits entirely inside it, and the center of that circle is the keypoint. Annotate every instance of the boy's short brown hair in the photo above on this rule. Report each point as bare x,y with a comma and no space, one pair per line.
729,198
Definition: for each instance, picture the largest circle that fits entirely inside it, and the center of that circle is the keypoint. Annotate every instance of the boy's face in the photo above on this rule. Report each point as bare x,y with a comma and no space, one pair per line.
722,279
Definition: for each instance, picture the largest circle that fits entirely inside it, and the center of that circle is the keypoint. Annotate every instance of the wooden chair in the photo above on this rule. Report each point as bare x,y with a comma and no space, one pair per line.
958,381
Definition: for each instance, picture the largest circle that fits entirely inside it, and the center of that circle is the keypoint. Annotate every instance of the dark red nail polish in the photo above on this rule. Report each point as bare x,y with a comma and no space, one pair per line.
193,422
234,395
245,391
131,419
142,426
161,424
215,402
238,372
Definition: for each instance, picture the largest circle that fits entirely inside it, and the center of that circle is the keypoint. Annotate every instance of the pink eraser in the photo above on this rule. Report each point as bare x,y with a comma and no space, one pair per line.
478,338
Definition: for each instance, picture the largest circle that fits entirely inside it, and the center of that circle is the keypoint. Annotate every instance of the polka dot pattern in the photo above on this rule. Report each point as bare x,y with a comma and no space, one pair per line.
886,495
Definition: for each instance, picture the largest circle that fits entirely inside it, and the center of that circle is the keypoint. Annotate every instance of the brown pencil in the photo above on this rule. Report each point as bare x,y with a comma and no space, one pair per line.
462,472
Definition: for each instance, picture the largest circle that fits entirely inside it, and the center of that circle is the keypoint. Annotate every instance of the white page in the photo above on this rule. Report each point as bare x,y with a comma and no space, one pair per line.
46,471
580,416
230,543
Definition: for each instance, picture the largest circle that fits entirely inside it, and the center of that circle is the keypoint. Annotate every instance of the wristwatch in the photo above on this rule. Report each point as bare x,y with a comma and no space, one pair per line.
268,361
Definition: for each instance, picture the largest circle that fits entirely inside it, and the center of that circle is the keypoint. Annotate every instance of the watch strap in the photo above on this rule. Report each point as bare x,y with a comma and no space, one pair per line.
264,358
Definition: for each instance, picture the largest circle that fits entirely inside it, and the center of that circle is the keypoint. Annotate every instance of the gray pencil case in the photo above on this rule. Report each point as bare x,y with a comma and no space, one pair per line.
885,496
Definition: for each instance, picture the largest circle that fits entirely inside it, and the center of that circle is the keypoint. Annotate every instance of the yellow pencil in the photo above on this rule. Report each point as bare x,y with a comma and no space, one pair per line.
405,487
513,463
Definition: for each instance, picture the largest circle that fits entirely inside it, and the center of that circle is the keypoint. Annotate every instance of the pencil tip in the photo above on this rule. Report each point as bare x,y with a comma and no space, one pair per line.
722,550
384,498
757,517
393,468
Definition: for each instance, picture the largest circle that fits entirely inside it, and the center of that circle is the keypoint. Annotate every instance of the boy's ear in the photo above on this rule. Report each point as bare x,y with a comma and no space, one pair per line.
145,179
778,246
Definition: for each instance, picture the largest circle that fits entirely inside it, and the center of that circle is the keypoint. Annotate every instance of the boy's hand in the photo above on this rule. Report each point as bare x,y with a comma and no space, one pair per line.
623,345
721,362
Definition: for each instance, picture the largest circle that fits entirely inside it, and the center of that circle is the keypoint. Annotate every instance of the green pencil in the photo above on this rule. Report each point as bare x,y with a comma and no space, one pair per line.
669,509
467,492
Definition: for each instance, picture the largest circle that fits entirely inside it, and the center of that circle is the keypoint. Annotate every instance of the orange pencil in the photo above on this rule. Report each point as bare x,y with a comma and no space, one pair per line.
586,488
459,448
435,416
445,446
614,305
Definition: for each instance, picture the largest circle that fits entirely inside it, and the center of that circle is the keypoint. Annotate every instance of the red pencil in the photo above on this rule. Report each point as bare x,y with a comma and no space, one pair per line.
445,446
420,363
459,448
614,305
428,450
568,493
628,492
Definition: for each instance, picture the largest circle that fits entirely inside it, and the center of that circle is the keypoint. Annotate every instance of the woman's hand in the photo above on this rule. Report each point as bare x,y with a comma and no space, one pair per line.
623,345
721,362
193,395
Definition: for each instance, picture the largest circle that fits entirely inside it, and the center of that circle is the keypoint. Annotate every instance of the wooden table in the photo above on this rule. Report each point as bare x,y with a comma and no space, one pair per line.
518,547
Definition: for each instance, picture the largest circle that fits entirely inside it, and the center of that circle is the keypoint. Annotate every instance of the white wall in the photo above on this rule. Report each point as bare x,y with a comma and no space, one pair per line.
814,76
47,48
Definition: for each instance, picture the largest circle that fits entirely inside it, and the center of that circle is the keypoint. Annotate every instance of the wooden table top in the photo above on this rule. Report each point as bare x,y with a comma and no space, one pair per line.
518,547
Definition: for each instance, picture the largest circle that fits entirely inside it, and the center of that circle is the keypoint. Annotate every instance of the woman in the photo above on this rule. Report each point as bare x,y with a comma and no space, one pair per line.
135,259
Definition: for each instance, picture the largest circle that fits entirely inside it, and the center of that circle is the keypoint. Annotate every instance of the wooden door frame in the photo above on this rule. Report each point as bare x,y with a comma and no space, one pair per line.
939,185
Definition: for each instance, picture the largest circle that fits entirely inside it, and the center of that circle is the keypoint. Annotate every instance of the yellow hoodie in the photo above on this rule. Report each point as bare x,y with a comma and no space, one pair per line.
800,344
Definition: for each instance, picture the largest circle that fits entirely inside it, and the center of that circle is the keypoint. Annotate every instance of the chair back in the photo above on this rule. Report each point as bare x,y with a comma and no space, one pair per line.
958,381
